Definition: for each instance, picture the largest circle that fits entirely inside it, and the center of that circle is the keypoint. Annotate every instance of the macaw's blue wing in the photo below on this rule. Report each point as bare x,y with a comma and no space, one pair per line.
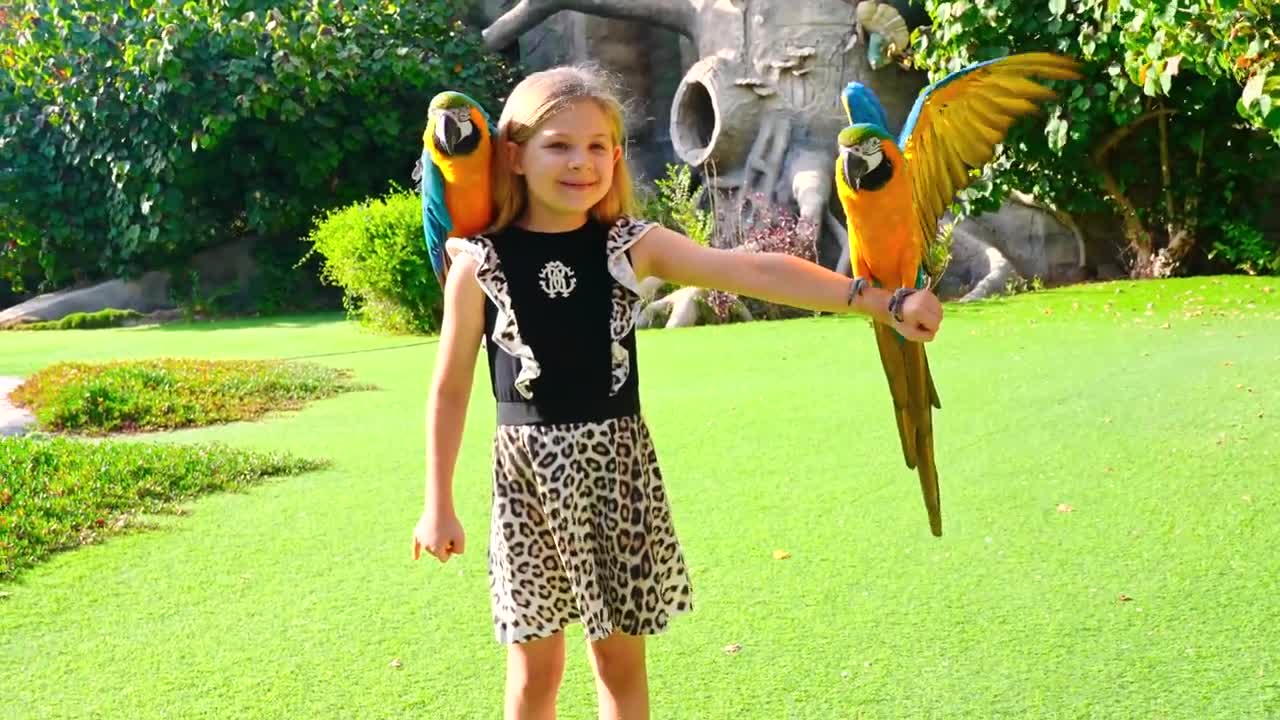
862,106
435,215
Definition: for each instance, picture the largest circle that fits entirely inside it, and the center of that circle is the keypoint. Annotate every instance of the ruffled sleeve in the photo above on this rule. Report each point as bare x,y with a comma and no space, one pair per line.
506,331
629,293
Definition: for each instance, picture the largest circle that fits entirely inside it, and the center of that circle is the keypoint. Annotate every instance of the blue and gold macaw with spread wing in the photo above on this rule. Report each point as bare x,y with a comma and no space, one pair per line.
894,190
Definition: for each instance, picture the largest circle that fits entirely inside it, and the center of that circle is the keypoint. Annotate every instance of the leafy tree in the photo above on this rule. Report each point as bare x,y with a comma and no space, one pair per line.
1176,126
138,132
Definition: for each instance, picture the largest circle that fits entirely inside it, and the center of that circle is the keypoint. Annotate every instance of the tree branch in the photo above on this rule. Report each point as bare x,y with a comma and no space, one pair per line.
675,15
1134,231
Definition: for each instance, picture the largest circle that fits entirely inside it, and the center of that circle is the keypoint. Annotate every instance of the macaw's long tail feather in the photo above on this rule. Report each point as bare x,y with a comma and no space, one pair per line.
906,367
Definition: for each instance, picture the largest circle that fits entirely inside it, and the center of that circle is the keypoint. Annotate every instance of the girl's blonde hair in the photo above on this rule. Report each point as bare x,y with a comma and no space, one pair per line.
532,102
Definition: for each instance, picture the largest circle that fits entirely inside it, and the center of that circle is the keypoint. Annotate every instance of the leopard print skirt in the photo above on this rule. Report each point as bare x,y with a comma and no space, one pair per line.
581,532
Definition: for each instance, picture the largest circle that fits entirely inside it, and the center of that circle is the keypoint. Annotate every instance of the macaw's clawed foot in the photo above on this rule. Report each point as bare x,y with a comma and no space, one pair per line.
856,287
895,302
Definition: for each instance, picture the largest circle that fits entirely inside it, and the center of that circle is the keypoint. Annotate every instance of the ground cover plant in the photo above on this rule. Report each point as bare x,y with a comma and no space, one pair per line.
168,393
58,493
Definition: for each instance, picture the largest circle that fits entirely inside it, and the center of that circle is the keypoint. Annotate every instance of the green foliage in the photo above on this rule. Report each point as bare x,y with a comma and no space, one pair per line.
375,251
1248,250
1158,77
1017,285
138,133
677,205
170,393
186,293
57,493
105,318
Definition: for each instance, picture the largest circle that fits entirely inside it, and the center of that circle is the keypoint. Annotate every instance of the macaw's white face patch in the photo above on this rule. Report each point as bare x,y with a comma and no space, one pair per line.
871,152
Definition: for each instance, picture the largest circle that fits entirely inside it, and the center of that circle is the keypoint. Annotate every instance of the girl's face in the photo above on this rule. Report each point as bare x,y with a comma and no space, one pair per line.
568,163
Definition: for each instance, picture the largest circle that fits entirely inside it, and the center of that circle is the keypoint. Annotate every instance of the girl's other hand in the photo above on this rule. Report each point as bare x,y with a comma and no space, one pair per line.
439,533
921,316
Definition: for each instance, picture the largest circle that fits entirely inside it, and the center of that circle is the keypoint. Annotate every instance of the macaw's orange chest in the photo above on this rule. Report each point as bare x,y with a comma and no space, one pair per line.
883,232
467,192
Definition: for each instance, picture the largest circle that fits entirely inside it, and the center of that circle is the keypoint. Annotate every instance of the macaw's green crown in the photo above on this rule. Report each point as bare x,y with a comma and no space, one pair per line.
855,134
450,100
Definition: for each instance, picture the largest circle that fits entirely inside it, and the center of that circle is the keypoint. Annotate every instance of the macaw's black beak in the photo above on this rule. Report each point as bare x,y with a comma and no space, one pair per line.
447,134
854,168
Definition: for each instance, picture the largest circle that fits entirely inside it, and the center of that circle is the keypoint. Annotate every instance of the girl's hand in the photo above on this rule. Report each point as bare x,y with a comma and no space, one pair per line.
439,533
921,316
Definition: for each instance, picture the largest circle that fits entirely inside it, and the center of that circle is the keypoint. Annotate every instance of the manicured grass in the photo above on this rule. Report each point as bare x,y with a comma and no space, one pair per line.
1153,597
57,493
170,393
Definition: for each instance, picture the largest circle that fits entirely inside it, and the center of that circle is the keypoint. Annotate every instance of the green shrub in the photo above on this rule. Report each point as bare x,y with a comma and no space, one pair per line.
1246,248
676,204
375,251
108,317
137,133
58,493
171,393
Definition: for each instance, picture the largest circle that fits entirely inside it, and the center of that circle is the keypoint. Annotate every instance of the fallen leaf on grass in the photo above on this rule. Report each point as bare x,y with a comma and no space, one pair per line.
1124,598
781,554
395,663
1065,508
733,648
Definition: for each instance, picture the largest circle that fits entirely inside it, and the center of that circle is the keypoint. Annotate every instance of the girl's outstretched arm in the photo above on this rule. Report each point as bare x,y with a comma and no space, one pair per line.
438,530
778,278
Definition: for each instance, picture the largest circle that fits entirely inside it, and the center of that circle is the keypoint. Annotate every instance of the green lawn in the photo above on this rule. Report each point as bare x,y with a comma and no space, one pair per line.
1156,596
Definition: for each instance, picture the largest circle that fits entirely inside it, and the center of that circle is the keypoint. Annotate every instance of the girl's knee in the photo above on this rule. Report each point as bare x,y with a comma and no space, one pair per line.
534,669
618,660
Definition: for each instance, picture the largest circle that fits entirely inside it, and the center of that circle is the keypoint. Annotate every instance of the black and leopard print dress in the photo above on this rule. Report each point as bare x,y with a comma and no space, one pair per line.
581,530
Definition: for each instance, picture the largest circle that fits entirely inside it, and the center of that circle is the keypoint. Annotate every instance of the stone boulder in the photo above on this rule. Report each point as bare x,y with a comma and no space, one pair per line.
1017,241
228,270
146,294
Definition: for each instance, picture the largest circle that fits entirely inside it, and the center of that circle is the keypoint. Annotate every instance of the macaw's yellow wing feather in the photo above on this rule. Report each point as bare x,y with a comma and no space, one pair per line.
957,123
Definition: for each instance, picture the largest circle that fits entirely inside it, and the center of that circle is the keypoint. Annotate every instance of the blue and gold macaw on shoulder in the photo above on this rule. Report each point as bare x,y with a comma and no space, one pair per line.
453,174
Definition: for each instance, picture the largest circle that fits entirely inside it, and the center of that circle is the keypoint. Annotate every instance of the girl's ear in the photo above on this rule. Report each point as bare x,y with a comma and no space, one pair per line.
513,155
617,154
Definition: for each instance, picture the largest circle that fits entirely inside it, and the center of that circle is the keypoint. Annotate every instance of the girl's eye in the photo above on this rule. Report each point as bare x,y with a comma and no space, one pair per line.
558,145
597,146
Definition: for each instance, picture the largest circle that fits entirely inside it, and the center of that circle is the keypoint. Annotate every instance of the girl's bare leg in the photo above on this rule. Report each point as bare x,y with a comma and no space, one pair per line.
534,671
622,681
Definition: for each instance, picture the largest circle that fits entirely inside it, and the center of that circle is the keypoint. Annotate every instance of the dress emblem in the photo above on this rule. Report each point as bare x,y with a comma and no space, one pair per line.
557,279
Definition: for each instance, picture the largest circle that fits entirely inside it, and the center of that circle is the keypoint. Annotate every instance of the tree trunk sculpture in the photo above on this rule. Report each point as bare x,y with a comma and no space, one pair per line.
760,110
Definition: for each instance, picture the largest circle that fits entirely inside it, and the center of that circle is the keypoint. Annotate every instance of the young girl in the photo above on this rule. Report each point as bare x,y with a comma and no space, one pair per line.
580,529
